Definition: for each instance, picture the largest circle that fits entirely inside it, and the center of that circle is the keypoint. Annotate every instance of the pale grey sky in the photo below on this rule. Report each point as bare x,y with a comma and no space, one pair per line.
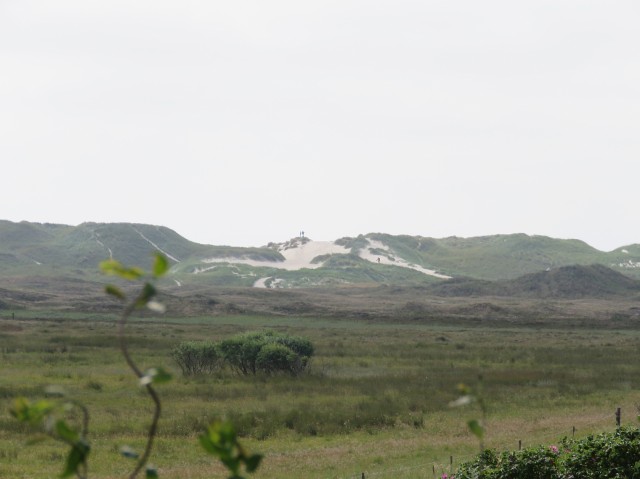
244,122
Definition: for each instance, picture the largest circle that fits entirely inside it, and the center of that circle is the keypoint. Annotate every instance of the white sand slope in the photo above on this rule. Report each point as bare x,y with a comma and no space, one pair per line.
296,256
299,254
390,258
262,282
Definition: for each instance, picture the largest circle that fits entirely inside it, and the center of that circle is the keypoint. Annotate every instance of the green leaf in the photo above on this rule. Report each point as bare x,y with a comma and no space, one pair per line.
253,462
110,266
114,291
476,428
77,457
21,409
155,376
464,389
221,441
148,292
151,473
25,411
65,432
207,444
115,268
160,265
231,463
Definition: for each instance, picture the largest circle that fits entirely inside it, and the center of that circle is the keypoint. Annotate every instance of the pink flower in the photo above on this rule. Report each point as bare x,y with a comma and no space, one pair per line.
554,449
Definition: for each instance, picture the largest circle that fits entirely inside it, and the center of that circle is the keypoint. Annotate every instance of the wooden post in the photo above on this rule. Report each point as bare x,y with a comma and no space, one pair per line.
434,470
519,444
573,434
618,417
363,476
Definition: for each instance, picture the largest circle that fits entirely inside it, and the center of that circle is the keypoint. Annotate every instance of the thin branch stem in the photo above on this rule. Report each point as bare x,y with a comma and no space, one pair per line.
85,434
154,396
85,416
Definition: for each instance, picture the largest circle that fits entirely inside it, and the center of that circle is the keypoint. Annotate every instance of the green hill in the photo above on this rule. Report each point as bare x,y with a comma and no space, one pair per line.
576,281
565,282
494,257
30,250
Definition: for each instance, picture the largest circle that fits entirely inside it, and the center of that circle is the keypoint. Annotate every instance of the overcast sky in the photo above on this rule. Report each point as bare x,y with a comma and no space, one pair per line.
244,122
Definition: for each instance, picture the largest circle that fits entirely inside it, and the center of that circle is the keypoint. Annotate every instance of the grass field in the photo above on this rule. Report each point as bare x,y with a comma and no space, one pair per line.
375,401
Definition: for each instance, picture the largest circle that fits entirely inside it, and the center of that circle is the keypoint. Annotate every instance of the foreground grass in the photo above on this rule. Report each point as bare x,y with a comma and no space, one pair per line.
375,400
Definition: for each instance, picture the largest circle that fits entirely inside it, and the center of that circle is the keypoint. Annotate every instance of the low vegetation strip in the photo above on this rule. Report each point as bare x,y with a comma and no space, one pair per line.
608,455
264,352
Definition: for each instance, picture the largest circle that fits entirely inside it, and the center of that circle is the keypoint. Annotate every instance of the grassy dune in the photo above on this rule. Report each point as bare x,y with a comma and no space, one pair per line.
375,401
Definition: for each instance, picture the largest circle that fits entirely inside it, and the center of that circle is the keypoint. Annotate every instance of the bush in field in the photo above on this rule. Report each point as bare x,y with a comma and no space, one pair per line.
301,346
196,357
276,357
532,463
613,455
240,353
606,455
266,352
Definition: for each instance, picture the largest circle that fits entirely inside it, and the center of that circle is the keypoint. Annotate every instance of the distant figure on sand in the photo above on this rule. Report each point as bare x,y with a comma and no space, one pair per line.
378,259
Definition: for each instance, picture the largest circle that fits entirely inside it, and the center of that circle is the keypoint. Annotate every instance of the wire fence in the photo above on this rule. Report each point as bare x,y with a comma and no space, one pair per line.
436,469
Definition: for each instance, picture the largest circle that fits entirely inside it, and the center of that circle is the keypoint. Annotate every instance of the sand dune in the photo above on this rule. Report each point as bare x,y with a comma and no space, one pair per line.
299,254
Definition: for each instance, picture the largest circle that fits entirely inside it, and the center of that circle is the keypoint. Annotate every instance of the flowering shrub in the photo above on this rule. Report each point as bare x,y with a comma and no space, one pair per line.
614,455
607,455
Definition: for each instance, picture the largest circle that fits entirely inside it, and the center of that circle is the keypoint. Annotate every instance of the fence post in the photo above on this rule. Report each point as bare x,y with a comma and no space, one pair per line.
573,434
363,476
519,444
618,417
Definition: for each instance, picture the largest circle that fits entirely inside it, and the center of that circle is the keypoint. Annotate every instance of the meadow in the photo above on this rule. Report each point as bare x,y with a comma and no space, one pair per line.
375,401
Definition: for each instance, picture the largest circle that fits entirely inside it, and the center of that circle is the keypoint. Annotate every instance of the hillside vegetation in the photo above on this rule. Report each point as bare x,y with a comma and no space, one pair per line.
34,256
568,282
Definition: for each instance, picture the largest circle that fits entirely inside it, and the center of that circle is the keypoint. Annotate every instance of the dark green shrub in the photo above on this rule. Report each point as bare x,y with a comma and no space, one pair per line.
276,357
484,466
533,463
301,346
241,352
267,352
196,357
607,455
614,455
